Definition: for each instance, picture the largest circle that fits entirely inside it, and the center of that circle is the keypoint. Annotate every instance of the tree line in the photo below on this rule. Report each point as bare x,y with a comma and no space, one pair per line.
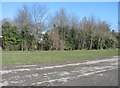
34,29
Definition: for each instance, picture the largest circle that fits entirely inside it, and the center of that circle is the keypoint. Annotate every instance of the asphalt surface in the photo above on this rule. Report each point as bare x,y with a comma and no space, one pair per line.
102,72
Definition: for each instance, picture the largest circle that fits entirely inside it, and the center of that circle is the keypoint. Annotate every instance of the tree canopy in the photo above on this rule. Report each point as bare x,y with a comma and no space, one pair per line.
62,31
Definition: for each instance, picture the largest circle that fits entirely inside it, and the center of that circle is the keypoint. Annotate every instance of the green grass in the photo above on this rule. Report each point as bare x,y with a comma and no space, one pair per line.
27,57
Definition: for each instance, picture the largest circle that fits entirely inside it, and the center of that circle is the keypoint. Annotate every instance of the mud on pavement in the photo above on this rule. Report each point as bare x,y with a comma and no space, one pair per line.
62,74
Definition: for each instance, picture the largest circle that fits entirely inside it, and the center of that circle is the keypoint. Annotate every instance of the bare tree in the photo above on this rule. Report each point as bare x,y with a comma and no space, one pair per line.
38,13
83,28
102,30
57,43
90,31
59,22
74,22
24,24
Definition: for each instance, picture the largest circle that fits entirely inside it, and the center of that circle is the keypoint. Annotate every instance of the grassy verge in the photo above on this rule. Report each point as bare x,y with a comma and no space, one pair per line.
27,57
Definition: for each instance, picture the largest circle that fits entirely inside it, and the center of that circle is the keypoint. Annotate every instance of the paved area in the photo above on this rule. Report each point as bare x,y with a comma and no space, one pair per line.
102,72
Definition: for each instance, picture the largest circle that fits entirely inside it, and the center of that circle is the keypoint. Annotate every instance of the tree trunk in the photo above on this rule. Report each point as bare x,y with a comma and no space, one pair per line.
98,45
91,42
22,46
101,44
